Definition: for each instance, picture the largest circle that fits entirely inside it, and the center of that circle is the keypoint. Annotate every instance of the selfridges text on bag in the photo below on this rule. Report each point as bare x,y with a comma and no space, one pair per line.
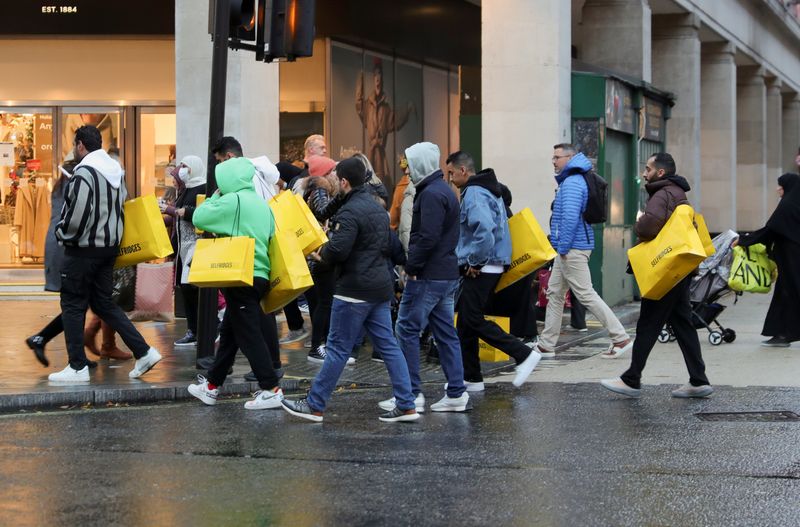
288,275
751,270
293,215
530,248
661,263
144,235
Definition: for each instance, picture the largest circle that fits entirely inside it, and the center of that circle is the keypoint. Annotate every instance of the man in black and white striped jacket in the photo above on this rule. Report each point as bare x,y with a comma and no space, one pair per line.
90,230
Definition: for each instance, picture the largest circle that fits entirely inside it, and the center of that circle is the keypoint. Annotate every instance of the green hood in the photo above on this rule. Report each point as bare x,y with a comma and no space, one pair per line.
234,175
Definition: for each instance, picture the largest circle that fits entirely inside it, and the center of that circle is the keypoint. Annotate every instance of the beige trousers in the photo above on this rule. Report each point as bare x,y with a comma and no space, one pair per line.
572,272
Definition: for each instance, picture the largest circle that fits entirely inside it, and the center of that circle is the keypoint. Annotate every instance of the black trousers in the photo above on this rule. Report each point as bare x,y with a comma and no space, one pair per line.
294,318
577,313
269,331
475,294
52,330
86,282
516,302
190,295
320,298
676,309
241,329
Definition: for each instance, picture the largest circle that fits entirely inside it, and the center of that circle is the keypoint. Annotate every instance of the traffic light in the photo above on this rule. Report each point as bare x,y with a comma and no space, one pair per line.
243,20
291,32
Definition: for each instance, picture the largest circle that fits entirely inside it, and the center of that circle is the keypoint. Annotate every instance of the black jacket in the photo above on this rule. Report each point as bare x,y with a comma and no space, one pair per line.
434,231
360,248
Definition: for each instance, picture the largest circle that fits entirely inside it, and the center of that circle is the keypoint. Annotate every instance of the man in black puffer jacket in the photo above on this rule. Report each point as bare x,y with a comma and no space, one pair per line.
359,249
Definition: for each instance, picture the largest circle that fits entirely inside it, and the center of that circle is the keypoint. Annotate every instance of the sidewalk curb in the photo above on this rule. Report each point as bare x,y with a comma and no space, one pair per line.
104,396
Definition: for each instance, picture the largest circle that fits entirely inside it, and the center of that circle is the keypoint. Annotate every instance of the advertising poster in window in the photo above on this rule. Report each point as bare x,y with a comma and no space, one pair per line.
346,130
376,110
408,106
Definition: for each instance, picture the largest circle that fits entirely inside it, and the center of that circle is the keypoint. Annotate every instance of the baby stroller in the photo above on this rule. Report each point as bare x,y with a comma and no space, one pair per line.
708,287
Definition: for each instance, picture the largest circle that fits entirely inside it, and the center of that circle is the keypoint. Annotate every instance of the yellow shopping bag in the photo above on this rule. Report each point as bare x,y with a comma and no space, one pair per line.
489,353
223,262
199,201
661,263
293,215
751,270
530,248
144,235
289,275
705,237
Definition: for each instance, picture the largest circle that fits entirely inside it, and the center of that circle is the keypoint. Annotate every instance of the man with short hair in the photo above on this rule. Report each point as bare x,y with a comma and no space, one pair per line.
315,145
359,247
573,239
432,271
667,190
91,230
483,253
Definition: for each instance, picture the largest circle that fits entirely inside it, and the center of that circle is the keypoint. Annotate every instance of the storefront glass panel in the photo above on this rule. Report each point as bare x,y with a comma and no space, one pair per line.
107,120
156,152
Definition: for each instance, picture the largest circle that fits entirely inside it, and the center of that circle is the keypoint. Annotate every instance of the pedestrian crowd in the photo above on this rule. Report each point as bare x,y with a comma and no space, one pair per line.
420,267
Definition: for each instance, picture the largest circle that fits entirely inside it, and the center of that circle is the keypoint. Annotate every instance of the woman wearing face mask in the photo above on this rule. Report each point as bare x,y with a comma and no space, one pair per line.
781,235
190,179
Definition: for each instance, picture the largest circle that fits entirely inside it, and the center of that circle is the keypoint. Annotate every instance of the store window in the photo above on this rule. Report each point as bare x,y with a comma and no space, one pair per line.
107,121
26,171
156,152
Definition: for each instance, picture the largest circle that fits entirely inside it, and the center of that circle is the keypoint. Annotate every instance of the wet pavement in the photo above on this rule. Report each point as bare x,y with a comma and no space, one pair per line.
23,381
546,454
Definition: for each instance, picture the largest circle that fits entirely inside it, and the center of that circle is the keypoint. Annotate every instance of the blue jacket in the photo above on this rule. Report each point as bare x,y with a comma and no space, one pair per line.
484,238
567,228
434,231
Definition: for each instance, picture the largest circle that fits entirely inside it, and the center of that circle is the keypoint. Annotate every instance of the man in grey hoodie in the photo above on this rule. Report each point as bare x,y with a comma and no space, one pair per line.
90,231
432,270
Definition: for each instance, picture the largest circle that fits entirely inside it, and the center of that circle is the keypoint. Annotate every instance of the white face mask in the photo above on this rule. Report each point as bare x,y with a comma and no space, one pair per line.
183,172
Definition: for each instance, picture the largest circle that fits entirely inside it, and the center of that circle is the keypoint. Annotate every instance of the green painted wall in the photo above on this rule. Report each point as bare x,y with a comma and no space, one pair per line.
470,137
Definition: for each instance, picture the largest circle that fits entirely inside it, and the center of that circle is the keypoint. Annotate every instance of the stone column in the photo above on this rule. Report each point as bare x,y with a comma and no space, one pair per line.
251,110
676,68
791,131
718,136
525,81
751,146
774,143
616,35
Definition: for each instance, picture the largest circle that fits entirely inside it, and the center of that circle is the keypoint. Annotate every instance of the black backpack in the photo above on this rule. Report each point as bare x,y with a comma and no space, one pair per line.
597,204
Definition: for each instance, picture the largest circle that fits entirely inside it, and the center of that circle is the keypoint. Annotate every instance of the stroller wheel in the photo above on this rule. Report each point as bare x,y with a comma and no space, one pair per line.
715,338
664,336
728,335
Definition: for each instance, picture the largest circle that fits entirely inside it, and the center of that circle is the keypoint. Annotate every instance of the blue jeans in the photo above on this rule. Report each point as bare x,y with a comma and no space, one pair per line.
347,319
430,303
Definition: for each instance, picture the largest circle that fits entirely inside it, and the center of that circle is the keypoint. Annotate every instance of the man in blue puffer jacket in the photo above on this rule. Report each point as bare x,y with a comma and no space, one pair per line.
573,239
483,253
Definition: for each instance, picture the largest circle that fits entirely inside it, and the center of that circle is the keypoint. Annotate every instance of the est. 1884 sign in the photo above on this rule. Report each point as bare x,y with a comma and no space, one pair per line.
88,17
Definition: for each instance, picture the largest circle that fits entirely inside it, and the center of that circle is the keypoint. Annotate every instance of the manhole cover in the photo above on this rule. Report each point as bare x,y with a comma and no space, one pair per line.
783,416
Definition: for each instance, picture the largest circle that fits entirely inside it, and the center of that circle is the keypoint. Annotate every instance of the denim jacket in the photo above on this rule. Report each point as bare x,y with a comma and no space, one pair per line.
484,238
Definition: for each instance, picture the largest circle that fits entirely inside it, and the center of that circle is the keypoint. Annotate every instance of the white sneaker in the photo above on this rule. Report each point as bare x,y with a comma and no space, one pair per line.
541,351
351,361
70,376
265,399
451,404
389,404
203,392
525,368
145,364
688,391
615,351
617,385
473,387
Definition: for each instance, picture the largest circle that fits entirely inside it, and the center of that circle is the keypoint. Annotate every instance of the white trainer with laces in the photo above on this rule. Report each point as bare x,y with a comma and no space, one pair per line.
70,376
389,404
203,392
265,400
145,364
451,404
525,368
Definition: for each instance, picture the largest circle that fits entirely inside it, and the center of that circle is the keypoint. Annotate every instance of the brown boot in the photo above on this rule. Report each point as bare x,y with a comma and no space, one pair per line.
109,348
90,335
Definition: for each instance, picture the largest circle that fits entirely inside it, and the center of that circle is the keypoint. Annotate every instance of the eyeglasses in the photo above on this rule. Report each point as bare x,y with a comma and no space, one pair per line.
556,158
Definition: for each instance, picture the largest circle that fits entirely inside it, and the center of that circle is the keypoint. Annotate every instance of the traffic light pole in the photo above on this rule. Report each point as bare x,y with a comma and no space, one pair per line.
207,302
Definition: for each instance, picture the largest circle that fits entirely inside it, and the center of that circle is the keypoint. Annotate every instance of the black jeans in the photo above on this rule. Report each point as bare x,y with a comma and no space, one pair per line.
475,294
86,282
190,296
676,309
242,329
294,318
269,331
319,299
52,330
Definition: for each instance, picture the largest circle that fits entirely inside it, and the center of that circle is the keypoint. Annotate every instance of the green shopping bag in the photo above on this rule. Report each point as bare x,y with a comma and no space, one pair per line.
752,270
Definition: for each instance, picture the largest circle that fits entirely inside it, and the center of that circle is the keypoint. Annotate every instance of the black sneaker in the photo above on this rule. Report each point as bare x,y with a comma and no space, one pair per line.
318,355
777,342
187,340
36,343
399,415
205,363
251,377
301,409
